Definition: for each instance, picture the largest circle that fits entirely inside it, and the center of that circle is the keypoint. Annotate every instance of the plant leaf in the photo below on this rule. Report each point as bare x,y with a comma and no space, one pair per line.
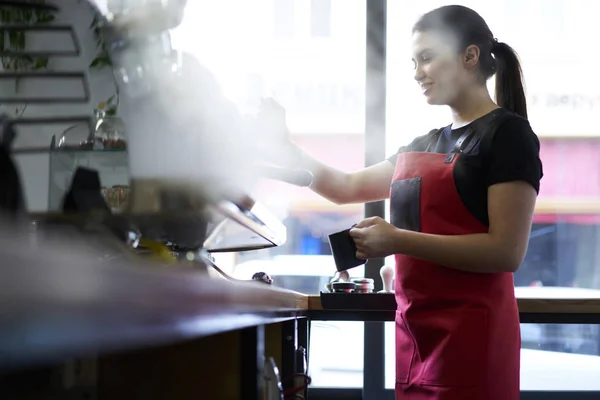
46,18
41,63
100,61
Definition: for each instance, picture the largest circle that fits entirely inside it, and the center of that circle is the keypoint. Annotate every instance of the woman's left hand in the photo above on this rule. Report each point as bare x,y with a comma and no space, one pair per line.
374,238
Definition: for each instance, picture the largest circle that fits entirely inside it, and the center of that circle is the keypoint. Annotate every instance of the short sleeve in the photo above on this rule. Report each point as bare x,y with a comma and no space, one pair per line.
514,154
419,144
401,150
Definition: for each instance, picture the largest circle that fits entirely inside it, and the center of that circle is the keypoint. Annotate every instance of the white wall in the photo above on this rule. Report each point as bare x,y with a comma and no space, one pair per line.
34,168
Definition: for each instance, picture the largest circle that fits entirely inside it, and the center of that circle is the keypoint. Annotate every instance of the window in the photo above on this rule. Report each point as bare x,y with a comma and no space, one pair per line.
552,15
563,259
320,18
283,18
322,85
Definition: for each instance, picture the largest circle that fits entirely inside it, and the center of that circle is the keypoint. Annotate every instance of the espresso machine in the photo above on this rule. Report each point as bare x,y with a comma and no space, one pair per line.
192,158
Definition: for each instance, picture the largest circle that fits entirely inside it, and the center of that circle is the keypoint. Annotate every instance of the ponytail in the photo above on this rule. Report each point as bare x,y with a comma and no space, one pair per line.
510,93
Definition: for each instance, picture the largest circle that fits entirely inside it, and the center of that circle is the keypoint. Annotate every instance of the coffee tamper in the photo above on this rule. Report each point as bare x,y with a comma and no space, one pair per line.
387,276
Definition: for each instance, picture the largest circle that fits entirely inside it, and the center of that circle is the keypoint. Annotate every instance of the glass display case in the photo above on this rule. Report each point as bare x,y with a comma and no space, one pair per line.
111,165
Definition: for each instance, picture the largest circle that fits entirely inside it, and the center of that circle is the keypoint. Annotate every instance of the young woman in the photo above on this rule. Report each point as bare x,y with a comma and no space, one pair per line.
462,201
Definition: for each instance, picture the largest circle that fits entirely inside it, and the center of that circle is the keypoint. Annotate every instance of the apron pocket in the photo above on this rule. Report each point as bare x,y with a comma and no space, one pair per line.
458,348
405,204
405,350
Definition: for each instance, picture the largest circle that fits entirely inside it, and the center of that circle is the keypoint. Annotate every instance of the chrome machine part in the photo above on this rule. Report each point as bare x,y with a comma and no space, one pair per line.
343,287
339,276
272,381
364,285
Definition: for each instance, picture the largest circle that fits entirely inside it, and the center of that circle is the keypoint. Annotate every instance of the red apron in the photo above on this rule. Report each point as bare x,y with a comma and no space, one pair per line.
457,333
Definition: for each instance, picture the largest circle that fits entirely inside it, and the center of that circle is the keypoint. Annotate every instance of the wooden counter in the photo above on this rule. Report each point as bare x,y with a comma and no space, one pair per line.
531,310
528,305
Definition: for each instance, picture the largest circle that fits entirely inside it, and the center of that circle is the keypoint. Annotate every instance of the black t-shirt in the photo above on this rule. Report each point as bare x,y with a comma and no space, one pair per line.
505,154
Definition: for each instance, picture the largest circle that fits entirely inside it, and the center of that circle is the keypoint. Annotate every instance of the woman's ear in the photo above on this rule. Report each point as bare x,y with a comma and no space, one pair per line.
471,57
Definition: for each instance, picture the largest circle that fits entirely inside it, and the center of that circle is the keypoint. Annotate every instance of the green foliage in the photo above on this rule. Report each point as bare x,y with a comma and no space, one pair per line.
13,42
103,60
109,106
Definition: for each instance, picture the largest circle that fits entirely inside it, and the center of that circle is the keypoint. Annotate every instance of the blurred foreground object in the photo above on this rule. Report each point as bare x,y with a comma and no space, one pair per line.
11,192
59,298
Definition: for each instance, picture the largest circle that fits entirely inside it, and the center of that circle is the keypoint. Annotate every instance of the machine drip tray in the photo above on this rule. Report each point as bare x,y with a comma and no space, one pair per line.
358,301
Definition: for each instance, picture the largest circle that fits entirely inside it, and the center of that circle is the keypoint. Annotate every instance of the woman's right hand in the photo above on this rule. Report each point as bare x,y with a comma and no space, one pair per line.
275,146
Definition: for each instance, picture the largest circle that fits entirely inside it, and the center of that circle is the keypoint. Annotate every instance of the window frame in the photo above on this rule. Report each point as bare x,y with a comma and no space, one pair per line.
375,144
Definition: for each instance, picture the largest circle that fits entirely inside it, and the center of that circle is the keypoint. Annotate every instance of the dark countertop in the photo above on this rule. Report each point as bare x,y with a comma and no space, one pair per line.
56,302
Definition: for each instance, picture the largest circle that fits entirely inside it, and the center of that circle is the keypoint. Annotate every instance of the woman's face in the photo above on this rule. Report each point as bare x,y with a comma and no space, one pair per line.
439,69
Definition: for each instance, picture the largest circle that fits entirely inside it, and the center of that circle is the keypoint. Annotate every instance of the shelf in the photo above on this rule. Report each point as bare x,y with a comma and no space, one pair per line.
116,158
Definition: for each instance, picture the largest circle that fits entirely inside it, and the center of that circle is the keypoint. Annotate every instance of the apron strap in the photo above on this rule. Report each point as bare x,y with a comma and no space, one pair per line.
434,135
458,146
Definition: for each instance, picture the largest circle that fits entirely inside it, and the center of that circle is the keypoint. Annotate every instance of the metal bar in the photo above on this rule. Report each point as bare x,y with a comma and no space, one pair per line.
52,120
335,394
355,394
44,100
40,54
374,360
32,150
304,342
86,88
47,149
362,315
388,315
304,334
375,109
21,4
289,344
559,318
76,42
561,395
47,75
375,121
252,353
40,27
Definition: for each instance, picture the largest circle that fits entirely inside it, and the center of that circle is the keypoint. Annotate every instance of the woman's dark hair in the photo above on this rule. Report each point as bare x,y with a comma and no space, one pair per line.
468,28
